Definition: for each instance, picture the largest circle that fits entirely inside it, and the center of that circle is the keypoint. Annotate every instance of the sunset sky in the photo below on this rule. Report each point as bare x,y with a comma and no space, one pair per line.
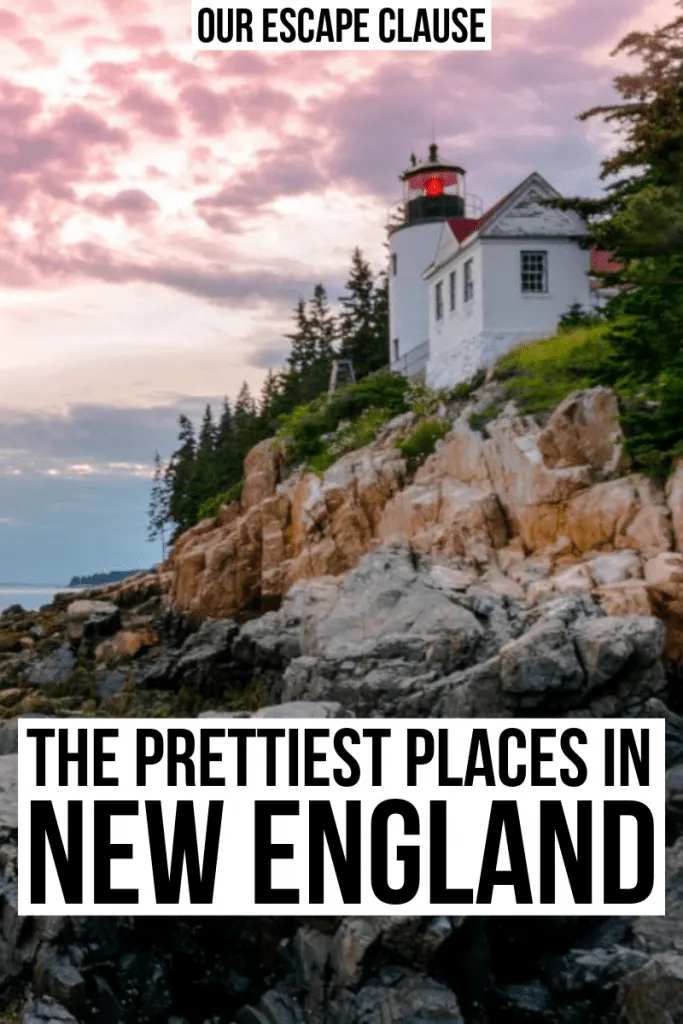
163,211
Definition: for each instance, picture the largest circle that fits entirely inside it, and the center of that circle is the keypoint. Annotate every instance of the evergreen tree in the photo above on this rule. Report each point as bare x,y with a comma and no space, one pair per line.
268,402
183,498
304,350
205,466
158,511
228,468
323,326
246,421
640,218
362,337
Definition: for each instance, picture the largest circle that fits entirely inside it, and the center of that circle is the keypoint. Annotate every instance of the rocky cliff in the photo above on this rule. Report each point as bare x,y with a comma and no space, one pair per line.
528,510
522,569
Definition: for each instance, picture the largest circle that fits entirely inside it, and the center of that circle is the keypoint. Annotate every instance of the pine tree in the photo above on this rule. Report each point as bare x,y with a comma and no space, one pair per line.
271,391
246,422
303,351
640,218
205,466
228,468
361,338
323,328
158,511
183,498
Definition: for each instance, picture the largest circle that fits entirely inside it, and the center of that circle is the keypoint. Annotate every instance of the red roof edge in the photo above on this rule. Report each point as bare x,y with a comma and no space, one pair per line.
603,262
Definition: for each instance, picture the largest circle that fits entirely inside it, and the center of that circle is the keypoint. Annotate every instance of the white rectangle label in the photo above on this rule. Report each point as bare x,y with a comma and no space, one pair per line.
351,816
266,26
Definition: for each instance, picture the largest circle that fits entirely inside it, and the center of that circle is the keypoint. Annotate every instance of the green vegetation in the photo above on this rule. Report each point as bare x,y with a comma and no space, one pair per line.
211,506
311,431
478,420
208,462
421,441
539,375
640,221
463,390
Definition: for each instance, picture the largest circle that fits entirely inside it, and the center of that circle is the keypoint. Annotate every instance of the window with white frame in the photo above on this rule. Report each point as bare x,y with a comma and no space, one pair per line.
534,271
451,290
396,349
468,289
438,301
394,263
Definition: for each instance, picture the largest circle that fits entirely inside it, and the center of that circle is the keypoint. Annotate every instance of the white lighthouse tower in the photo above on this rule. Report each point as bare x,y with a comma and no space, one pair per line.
433,191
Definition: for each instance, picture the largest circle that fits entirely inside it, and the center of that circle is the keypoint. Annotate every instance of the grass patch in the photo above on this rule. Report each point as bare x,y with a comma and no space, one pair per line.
539,375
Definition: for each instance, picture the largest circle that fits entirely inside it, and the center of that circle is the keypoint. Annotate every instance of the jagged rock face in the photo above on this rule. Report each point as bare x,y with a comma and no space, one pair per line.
540,511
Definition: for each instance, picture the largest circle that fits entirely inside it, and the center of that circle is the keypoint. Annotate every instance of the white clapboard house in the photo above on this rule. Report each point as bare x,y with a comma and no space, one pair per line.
466,286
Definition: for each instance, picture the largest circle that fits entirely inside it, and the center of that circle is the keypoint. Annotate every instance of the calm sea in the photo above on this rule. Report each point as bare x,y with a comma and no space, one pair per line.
28,597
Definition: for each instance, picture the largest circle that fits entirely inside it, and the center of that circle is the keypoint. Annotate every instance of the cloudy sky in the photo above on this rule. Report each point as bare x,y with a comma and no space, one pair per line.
163,211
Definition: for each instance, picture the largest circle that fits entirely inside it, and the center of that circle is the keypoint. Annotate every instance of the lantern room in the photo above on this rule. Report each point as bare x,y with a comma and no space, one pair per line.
432,189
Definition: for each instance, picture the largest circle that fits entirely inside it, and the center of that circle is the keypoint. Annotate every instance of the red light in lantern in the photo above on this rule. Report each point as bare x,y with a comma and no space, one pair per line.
434,187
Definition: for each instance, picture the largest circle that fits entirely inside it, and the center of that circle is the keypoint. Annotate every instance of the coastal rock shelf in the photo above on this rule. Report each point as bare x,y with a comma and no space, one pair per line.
521,571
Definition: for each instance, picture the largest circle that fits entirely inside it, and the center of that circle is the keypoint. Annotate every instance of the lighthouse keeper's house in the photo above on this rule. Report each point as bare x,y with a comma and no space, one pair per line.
466,286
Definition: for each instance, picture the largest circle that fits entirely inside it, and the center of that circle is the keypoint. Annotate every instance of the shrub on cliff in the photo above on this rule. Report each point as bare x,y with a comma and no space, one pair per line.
421,441
211,506
307,429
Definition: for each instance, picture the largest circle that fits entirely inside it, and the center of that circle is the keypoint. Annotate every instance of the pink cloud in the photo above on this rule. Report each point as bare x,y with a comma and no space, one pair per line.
143,35
133,204
9,23
150,112
207,108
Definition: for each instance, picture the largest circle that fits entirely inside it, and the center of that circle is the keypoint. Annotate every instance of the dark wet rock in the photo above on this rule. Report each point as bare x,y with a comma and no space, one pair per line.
204,660
58,976
654,993
109,682
92,620
395,637
54,669
47,1011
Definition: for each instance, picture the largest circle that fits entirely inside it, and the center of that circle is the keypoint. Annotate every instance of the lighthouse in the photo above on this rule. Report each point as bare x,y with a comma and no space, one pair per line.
433,192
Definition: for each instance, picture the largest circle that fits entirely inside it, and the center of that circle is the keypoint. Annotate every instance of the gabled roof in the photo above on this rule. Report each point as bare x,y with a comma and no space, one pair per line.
463,227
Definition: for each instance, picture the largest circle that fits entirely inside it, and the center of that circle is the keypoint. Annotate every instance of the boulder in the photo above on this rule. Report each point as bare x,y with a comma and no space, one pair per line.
664,585
261,472
585,430
628,513
92,620
674,496
53,669
654,993
46,1011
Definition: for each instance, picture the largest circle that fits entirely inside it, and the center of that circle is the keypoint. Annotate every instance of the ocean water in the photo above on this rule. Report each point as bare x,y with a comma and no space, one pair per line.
28,597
